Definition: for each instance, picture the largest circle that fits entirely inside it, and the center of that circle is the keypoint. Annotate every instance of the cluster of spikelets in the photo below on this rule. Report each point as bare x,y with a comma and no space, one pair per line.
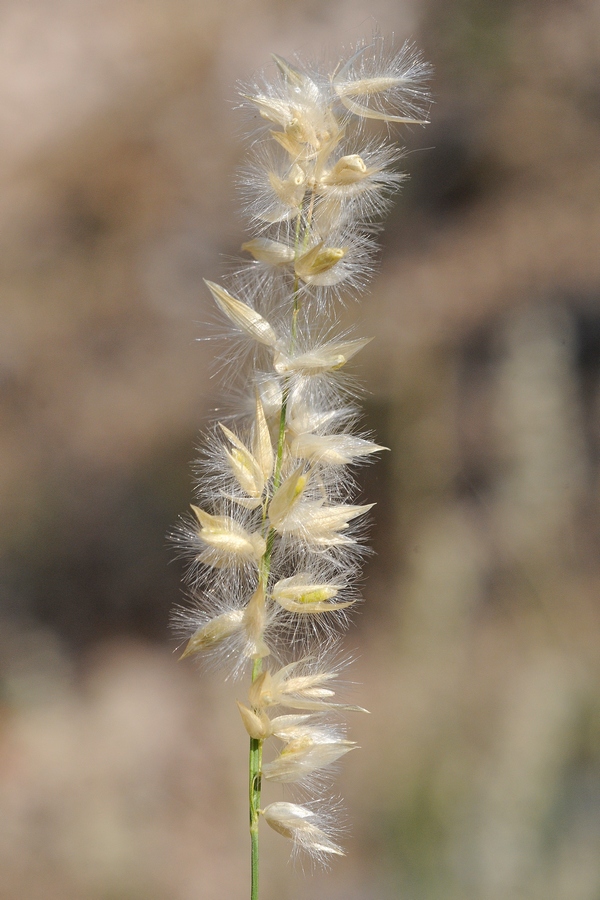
275,540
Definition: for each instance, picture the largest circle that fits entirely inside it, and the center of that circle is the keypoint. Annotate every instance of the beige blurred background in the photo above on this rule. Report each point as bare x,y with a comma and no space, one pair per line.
122,772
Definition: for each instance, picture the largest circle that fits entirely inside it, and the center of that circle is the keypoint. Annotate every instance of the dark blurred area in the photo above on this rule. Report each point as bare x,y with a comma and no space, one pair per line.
122,772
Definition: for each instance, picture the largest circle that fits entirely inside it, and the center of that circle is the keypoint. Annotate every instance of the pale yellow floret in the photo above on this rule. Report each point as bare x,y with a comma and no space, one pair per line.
260,727
272,252
301,588
286,728
251,621
331,138
288,191
310,604
330,277
214,632
254,624
328,357
317,260
332,449
225,538
262,446
368,112
313,158
302,130
293,821
347,170
305,419
261,691
299,594
367,86
246,469
296,78
283,688
297,150
256,722
309,686
277,111
286,496
304,121
286,818
314,749
321,524
304,693
242,315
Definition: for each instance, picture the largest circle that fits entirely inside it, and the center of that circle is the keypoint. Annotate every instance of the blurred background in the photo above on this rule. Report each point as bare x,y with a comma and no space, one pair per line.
122,772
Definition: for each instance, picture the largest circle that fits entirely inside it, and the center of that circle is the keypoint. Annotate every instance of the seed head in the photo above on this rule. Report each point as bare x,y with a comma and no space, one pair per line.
276,533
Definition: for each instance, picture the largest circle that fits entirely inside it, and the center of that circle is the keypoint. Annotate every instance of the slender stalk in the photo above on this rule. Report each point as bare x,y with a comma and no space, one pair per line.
254,792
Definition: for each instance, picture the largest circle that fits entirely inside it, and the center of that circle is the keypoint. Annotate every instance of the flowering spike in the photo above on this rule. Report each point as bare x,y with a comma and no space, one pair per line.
276,536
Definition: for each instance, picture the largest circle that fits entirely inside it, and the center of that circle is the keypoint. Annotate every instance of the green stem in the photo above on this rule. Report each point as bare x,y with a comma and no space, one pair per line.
255,785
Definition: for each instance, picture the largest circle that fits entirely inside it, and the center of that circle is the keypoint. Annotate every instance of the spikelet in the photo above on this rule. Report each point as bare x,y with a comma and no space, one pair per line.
309,829
276,533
